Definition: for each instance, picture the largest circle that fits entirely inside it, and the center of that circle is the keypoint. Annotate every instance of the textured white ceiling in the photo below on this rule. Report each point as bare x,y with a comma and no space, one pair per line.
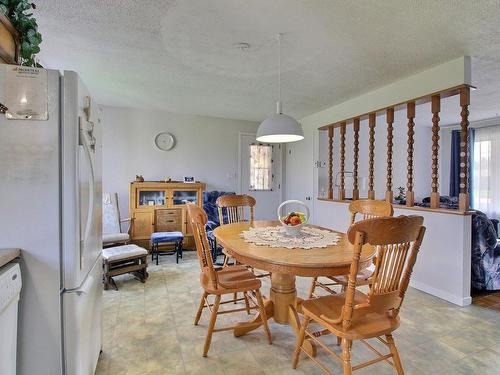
181,56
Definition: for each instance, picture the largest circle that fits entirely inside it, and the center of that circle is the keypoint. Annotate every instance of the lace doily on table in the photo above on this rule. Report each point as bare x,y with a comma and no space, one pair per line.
276,237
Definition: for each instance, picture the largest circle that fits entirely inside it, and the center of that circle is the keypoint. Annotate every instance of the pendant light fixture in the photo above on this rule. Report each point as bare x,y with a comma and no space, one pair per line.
279,128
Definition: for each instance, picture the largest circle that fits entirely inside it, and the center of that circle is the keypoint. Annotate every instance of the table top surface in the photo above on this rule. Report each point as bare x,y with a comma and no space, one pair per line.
7,255
331,260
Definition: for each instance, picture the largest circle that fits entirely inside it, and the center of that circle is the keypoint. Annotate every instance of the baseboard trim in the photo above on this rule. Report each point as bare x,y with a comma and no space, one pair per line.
457,300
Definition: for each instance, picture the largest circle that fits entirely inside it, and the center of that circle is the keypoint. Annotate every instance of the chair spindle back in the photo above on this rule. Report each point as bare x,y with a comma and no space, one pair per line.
397,240
198,219
234,207
369,209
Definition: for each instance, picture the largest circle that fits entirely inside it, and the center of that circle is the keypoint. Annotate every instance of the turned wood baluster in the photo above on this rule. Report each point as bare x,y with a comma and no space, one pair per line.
355,186
330,162
435,108
410,114
390,121
342,161
463,197
371,161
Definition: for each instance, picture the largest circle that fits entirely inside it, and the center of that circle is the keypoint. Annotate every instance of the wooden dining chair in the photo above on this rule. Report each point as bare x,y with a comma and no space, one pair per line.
353,315
364,209
222,281
232,209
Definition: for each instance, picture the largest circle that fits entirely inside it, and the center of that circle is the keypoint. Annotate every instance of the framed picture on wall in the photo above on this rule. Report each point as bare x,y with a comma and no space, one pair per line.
189,180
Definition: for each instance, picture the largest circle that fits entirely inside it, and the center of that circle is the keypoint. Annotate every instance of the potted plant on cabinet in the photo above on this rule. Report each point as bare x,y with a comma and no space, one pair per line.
19,36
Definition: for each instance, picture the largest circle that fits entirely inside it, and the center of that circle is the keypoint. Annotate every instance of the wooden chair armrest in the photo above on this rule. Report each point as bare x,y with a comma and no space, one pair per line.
129,220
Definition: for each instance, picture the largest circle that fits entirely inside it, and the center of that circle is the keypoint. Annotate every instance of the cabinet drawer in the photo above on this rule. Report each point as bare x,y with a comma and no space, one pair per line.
168,220
168,213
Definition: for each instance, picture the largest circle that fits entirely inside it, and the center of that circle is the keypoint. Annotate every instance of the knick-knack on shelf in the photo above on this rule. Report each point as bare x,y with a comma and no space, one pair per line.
401,198
139,178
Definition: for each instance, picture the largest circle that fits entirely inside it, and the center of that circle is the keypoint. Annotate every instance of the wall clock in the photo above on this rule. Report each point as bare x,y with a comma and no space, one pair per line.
165,141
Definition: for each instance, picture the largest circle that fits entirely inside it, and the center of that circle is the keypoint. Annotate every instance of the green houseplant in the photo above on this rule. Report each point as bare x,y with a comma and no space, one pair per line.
19,14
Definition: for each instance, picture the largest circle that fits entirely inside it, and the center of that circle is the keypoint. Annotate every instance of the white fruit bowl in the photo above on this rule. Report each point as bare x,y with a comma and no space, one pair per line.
292,230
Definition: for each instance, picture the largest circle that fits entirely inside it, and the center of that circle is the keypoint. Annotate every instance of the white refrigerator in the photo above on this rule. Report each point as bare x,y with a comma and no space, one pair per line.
50,207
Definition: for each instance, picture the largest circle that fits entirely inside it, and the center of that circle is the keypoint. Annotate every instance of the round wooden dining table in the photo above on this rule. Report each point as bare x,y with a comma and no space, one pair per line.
284,265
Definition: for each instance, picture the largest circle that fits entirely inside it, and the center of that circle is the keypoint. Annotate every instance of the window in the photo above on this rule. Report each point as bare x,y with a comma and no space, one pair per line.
486,171
261,167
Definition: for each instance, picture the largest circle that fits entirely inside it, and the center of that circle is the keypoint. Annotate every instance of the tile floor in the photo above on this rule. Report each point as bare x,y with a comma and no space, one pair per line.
148,329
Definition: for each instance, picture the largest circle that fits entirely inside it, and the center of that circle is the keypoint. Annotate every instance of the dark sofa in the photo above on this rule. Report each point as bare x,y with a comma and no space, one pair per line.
210,207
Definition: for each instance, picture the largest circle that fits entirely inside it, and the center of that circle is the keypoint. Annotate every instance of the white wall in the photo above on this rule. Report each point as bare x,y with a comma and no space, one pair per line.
206,148
443,265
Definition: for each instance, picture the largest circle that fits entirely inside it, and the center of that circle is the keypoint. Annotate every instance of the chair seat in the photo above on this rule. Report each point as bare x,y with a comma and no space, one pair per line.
158,237
115,237
364,325
123,252
231,279
362,278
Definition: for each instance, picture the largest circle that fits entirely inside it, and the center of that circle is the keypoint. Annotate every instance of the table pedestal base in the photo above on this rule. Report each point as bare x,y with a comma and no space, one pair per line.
283,294
283,306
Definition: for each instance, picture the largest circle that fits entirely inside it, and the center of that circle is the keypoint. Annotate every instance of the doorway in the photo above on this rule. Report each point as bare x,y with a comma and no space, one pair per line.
261,178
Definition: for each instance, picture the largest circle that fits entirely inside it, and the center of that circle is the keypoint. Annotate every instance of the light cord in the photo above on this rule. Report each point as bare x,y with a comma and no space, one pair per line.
279,70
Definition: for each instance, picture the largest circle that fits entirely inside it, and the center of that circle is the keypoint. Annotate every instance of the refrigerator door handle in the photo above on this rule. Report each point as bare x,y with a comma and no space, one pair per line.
90,213
82,289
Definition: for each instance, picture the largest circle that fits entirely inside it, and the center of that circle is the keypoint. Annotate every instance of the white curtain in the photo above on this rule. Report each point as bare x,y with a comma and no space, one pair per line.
486,171
261,172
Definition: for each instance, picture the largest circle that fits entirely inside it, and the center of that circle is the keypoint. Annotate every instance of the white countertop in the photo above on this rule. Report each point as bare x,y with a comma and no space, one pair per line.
7,255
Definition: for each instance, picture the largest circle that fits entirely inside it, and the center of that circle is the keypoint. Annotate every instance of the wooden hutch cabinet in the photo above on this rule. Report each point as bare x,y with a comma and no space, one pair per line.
161,207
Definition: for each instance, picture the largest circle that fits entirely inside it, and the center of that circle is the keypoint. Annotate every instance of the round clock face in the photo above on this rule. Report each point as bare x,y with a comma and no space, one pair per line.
165,141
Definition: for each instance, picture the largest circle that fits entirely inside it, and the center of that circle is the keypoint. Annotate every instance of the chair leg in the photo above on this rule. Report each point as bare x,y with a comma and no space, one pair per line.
313,287
300,341
263,316
200,308
395,355
106,277
235,297
211,325
177,252
247,304
346,356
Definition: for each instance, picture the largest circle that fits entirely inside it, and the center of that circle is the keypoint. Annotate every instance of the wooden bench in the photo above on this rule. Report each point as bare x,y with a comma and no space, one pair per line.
119,260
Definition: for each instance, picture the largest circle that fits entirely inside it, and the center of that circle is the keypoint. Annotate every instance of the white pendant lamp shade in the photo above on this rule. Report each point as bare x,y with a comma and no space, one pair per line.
279,128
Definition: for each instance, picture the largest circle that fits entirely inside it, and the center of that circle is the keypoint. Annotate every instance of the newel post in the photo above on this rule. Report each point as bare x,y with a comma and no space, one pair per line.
435,108
355,186
463,197
330,162
371,155
410,114
390,120
342,161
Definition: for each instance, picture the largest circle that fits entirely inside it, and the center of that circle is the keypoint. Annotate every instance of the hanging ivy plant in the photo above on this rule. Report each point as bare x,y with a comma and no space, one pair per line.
19,14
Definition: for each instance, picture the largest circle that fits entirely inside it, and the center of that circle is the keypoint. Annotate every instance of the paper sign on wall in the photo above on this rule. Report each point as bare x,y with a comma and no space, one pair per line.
26,93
